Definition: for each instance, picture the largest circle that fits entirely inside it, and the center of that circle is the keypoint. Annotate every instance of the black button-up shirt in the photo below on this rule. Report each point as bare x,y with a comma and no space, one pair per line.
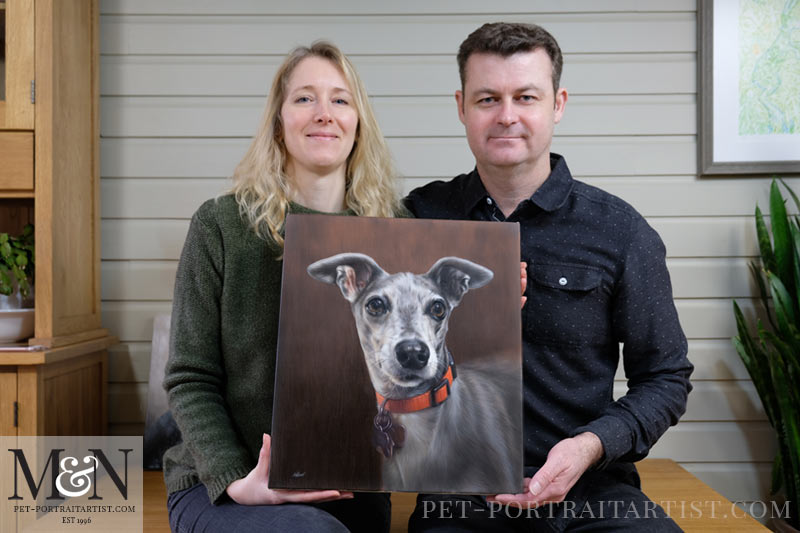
597,278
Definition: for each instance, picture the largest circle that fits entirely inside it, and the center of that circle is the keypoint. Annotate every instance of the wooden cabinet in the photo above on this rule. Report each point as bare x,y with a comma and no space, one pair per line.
16,154
49,176
60,391
16,105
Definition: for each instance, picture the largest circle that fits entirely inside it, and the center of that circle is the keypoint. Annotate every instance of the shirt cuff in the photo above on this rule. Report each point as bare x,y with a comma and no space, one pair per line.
615,436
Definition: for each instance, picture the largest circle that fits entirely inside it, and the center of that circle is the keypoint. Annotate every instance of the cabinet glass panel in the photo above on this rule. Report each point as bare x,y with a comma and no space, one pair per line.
2,50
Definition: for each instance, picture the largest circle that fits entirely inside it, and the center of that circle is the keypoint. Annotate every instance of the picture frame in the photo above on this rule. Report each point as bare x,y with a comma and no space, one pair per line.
738,129
399,364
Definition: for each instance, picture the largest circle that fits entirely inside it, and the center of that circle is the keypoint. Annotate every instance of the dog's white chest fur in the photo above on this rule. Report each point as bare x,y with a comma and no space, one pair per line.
461,444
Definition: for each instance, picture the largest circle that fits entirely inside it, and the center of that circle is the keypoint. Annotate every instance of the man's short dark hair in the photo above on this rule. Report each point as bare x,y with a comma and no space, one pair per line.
506,39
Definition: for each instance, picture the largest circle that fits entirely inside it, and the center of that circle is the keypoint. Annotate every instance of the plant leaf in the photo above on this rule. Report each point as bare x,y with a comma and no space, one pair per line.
764,242
790,417
791,193
758,275
755,361
765,387
782,301
777,473
795,230
781,237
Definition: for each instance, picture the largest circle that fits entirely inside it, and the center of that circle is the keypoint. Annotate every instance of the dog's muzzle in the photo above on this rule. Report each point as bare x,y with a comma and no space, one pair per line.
412,354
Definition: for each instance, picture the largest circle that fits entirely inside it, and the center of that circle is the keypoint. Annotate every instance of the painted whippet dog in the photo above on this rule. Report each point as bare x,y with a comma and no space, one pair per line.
439,430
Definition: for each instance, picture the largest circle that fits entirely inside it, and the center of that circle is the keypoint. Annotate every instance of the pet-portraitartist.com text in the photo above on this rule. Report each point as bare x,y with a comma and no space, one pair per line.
612,509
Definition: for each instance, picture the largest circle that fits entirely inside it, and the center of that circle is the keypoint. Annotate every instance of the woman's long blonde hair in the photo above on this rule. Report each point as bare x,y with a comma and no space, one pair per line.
261,186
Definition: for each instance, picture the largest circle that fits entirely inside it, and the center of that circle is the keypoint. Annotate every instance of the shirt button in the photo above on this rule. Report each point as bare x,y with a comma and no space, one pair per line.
562,281
488,200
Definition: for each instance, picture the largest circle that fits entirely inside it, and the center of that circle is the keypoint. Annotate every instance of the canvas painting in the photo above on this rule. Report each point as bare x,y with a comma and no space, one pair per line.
399,357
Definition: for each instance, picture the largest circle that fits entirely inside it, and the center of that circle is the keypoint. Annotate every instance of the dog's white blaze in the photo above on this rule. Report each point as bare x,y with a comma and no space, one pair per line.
409,298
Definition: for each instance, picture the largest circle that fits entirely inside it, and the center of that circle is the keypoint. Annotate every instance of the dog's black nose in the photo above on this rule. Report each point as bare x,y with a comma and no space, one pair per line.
412,354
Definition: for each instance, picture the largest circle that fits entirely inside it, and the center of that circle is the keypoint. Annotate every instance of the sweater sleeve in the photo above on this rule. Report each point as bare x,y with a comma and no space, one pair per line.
654,354
195,372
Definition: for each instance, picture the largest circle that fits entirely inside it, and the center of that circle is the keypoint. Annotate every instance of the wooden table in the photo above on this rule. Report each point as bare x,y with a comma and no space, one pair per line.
695,506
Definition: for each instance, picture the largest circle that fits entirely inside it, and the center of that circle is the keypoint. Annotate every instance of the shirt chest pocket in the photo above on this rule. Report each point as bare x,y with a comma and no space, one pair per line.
568,304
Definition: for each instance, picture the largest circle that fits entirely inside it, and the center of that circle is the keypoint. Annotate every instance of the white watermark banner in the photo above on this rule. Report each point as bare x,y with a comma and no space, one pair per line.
609,509
79,483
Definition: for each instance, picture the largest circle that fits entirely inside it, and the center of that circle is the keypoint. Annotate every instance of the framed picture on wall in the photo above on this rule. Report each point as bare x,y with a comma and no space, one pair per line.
748,80
399,356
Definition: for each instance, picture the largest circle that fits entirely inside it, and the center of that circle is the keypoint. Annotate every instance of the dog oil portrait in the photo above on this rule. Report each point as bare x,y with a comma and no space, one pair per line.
438,411
424,403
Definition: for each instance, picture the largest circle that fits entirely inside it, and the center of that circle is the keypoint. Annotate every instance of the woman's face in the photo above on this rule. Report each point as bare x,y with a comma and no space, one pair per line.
319,118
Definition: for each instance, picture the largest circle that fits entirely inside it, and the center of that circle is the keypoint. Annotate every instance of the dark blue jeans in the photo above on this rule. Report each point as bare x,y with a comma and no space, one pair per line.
191,511
599,502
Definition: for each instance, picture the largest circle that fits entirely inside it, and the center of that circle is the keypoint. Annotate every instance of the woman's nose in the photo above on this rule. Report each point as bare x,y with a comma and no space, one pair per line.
323,115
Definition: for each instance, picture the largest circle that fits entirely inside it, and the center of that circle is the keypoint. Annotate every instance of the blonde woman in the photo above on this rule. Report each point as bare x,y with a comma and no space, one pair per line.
318,150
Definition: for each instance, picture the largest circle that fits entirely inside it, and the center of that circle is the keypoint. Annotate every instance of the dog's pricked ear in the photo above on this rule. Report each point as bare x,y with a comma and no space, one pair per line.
352,272
455,276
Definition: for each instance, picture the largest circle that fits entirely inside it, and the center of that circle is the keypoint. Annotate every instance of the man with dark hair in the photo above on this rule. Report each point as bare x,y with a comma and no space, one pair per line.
597,277
504,39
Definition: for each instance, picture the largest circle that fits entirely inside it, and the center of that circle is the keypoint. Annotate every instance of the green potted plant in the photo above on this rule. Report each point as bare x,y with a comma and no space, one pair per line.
17,258
772,355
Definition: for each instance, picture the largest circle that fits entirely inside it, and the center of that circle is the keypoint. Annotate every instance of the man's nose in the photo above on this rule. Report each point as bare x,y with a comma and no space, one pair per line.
507,114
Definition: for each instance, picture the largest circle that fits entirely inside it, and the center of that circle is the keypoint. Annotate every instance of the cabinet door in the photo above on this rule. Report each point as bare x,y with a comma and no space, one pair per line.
16,64
8,399
8,431
16,153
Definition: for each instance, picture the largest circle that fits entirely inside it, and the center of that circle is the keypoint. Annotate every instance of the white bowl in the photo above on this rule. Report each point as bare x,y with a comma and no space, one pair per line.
15,324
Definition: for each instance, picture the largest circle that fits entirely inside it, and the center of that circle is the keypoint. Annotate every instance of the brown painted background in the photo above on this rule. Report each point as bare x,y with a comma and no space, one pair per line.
324,401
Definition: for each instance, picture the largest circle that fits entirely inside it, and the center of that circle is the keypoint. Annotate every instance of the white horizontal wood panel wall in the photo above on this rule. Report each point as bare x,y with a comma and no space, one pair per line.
183,86
652,196
669,32
370,7
741,480
432,75
436,116
416,157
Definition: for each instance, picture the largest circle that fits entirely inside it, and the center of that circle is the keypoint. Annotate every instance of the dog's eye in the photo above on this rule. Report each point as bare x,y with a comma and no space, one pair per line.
376,307
438,310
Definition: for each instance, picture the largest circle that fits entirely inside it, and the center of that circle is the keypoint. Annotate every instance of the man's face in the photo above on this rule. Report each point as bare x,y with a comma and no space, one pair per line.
509,110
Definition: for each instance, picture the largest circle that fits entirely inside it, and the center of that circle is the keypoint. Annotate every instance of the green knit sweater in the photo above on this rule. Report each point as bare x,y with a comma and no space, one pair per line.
221,370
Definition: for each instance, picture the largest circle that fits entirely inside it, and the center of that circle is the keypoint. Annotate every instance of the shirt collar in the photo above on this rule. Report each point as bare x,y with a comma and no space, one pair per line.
549,196
474,192
556,188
